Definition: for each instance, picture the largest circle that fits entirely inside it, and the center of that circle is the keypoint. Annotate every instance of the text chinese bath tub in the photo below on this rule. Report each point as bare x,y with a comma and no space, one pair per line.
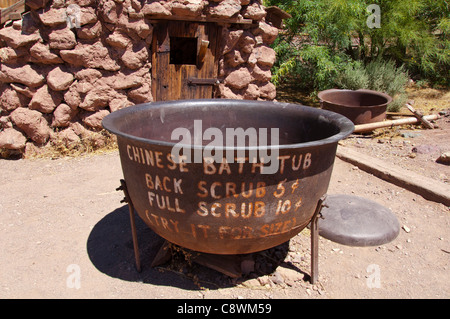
226,206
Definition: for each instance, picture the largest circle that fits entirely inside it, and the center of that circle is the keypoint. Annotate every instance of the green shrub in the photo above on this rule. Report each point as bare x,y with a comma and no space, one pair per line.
414,33
354,76
378,75
311,67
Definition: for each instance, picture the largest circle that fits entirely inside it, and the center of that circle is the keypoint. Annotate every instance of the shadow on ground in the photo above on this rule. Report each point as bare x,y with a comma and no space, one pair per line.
110,249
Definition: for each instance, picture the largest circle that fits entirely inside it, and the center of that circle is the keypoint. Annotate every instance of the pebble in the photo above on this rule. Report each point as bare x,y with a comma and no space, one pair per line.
290,274
410,135
276,278
251,283
444,158
296,258
263,280
425,149
406,228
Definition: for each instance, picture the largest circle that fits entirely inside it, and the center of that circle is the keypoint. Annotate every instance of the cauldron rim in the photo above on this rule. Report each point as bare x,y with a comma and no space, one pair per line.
322,96
344,125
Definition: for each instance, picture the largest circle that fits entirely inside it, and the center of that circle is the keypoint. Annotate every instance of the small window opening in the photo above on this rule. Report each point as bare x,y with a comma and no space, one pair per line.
183,50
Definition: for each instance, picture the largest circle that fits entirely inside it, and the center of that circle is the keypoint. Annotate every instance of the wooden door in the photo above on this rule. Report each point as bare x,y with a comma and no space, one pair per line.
184,60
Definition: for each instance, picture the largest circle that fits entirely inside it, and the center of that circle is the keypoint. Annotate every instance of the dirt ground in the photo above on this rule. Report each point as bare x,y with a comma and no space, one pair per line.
65,234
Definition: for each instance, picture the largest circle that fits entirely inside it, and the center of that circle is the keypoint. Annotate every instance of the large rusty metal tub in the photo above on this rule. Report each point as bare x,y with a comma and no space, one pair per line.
360,106
226,206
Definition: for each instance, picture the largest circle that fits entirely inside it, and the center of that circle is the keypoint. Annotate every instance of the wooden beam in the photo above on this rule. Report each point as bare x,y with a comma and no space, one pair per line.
7,3
202,51
11,13
420,117
156,19
281,13
163,255
229,265
276,16
372,126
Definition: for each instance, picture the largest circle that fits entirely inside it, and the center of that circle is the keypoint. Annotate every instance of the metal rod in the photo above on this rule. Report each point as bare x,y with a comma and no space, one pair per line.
133,224
315,241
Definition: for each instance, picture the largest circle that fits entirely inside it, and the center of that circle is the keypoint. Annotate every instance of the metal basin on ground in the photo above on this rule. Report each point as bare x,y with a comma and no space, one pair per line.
360,106
226,206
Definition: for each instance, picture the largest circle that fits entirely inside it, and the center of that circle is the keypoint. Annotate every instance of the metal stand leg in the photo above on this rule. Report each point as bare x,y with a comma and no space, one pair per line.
315,241
127,199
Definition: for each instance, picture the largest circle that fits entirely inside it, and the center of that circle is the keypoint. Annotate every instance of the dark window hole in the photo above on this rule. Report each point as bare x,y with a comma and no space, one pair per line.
183,50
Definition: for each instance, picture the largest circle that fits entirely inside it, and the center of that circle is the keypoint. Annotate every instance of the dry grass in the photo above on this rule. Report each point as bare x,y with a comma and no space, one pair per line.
429,100
94,143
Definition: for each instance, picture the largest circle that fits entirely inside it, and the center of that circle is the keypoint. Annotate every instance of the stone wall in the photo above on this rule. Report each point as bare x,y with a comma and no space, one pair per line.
59,77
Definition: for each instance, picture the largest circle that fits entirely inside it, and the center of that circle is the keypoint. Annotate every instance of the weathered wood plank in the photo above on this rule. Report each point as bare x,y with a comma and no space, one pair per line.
156,19
420,117
12,12
229,265
8,3
170,80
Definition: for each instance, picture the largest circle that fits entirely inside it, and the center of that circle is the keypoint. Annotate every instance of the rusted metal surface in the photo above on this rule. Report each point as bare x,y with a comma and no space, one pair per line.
360,106
314,226
357,221
127,199
224,207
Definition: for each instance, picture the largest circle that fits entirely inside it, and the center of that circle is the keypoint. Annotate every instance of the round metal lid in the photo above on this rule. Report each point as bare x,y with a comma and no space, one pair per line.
356,221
